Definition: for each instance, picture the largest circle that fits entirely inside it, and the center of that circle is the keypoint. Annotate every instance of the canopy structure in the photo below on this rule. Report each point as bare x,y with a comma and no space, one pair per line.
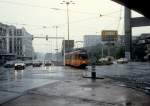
141,6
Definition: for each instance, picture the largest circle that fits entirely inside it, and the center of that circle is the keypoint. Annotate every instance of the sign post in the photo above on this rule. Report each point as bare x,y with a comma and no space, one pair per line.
109,36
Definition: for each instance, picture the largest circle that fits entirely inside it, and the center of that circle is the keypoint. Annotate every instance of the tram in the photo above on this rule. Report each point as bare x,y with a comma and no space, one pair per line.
76,58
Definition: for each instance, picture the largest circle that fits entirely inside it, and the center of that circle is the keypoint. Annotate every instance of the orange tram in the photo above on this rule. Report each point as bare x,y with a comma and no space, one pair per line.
76,58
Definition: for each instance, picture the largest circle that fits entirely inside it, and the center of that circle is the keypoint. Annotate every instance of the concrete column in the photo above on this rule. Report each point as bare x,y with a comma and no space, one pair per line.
128,33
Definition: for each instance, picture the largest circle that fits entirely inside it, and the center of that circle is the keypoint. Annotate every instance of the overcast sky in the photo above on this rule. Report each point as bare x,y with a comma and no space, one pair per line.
84,18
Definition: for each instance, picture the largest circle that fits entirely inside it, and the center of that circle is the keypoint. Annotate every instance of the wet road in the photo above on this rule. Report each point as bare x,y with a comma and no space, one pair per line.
133,73
139,72
51,72
15,83
21,80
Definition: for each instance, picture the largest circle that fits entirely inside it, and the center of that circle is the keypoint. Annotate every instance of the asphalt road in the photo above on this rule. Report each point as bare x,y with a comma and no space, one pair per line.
14,84
133,73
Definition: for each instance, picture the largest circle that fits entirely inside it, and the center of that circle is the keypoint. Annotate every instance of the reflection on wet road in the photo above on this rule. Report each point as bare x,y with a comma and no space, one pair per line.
13,83
36,73
33,76
134,73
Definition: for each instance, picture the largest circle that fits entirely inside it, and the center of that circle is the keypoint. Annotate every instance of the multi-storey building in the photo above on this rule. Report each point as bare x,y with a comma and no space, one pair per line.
3,33
3,44
141,47
68,45
15,43
27,48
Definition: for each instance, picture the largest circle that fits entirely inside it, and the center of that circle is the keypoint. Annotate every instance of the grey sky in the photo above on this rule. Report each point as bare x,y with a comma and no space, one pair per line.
84,18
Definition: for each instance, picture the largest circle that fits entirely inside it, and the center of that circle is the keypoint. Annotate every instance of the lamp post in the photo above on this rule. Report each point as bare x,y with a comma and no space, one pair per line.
67,4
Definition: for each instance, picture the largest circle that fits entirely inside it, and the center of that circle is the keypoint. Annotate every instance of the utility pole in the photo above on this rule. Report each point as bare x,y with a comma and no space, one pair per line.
67,4
68,30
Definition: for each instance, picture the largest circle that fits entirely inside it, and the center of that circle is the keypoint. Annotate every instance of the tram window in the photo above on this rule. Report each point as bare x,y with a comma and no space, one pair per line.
67,56
75,56
83,56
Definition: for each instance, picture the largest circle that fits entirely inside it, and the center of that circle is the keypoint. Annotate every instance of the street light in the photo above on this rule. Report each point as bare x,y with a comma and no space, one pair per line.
67,4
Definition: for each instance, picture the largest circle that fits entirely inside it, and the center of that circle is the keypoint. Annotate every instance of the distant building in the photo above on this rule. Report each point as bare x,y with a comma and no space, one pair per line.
68,45
121,39
48,56
91,40
141,47
15,43
27,48
4,41
3,33
20,43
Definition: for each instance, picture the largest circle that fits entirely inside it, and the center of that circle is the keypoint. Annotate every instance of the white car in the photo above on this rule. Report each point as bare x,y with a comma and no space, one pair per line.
105,61
122,60
19,66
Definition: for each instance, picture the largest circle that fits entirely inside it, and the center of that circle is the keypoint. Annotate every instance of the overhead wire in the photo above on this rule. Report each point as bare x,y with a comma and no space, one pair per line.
24,4
49,26
72,22
44,7
92,18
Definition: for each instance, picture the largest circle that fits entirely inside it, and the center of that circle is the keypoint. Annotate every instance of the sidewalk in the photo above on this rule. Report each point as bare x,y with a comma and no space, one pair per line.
82,92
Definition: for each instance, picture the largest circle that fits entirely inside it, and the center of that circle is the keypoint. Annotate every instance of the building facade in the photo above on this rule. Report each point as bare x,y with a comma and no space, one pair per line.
141,48
3,42
68,45
26,41
91,40
15,43
3,33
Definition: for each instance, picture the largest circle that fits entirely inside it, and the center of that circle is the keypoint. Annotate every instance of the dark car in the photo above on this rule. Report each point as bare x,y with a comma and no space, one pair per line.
19,66
9,64
47,63
36,64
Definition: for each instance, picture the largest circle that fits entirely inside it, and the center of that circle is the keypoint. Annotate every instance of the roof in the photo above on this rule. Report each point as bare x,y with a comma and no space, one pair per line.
141,6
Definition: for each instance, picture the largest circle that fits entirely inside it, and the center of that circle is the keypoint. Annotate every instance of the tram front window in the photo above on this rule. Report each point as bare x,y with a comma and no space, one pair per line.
83,56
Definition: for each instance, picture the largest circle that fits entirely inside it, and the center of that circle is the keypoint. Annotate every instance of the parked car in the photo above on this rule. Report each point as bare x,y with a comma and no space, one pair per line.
122,61
47,63
9,64
19,66
28,62
36,64
105,61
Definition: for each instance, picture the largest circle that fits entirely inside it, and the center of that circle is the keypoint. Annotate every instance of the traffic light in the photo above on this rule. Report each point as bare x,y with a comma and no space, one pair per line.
46,37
